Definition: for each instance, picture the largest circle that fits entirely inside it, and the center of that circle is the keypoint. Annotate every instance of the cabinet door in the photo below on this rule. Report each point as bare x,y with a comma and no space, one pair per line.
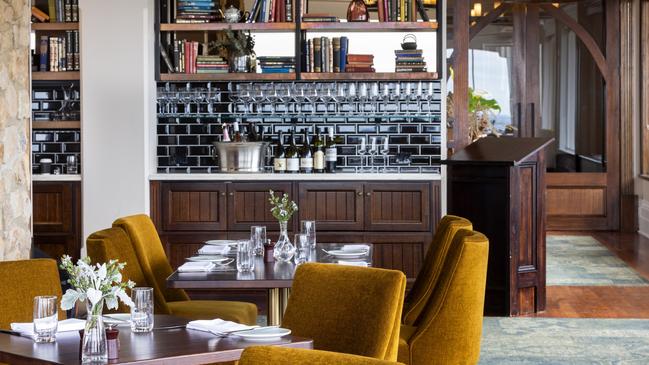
193,206
56,217
248,204
401,207
399,251
336,206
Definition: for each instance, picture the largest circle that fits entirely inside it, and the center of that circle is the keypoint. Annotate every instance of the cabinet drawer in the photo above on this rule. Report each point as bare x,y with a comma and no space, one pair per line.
334,206
404,207
193,207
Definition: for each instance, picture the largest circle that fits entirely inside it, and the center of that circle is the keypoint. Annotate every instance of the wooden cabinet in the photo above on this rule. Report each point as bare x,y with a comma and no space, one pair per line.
193,207
248,204
335,207
57,217
398,217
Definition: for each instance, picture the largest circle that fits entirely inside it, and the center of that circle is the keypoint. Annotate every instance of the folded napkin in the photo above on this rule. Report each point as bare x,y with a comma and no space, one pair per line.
217,326
214,250
66,325
355,248
353,263
196,266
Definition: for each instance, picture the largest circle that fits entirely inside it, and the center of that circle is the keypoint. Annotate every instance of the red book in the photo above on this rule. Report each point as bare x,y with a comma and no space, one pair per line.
349,68
188,68
351,58
195,55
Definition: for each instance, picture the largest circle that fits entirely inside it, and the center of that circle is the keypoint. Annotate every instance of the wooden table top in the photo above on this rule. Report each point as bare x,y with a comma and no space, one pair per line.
177,346
265,276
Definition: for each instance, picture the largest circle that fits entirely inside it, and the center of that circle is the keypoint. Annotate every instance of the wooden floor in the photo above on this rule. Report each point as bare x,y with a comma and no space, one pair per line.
605,301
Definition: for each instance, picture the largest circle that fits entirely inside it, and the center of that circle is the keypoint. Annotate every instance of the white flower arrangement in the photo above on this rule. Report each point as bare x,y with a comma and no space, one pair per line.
95,283
282,208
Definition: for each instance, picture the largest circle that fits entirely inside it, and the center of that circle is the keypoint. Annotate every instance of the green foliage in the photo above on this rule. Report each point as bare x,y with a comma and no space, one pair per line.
478,103
282,208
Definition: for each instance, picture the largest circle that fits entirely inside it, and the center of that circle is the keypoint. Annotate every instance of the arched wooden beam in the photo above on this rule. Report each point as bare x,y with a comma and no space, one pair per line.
482,23
584,36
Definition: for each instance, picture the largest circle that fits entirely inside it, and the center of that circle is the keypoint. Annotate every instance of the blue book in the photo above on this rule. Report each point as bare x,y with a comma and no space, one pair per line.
344,48
262,16
284,70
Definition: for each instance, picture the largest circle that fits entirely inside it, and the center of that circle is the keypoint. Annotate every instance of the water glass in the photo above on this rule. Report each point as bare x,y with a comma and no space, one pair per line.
302,245
46,319
245,257
142,310
308,228
258,238
71,165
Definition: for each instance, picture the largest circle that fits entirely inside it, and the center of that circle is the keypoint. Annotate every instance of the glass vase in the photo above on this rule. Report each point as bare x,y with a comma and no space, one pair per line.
94,349
284,249
240,61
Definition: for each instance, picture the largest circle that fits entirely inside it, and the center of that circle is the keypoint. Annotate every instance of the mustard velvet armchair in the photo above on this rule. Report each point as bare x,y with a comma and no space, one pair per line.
156,268
274,355
450,327
20,282
432,266
347,309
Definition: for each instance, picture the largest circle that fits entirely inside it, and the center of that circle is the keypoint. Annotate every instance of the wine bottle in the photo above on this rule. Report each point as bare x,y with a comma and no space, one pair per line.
331,152
226,133
292,156
306,155
252,133
318,153
237,134
260,134
279,162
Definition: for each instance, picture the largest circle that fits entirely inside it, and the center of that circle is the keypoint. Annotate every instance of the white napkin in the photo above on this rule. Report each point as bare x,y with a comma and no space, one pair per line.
196,266
217,326
355,248
352,263
214,250
66,325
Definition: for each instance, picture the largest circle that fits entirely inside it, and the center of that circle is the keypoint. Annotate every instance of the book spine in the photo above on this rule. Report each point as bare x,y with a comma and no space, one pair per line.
331,55
271,10
68,10
344,46
196,44
50,45
289,11
60,10
43,53
336,55
311,58
323,54
77,52
379,5
64,60
317,55
75,10
69,54
422,11
51,9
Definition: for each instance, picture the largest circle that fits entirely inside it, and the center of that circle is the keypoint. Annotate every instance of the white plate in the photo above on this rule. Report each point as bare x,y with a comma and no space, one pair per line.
117,318
347,253
211,258
221,242
264,333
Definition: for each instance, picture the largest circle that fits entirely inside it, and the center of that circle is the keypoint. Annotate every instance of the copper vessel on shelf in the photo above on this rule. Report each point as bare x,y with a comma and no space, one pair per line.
357,11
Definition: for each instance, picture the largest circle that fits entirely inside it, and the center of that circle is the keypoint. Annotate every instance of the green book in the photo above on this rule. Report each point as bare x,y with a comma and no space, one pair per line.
51,7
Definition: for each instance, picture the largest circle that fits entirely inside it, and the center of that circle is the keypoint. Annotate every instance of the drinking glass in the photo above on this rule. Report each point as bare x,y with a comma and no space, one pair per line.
258,237
142,310
302,244
311,94
258,96
375,96
372,151
339,96
285,95
245,257
46,319
351,95
71,165
362,151
385,150
308,228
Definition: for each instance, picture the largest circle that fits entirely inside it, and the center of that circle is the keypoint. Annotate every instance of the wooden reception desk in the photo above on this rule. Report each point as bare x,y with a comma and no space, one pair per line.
499,184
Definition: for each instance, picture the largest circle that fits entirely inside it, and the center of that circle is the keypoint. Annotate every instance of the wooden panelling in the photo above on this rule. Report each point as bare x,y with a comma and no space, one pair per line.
526,251
194,207
248,204
526,300
399,251
397,206
577,201
57,218
334,206
179,246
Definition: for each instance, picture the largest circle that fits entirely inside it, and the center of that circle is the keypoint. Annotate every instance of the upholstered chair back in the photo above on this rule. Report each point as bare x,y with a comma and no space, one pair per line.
274,355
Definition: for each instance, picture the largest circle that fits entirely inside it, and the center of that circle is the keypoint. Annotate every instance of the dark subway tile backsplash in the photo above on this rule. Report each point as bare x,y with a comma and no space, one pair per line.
56,145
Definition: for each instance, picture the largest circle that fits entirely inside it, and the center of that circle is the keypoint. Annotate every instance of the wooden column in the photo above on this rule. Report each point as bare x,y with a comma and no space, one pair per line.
460,66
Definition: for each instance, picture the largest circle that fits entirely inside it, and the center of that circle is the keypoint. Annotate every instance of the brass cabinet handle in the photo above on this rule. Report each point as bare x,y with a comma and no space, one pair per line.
360,193
222,193
368,194
231,194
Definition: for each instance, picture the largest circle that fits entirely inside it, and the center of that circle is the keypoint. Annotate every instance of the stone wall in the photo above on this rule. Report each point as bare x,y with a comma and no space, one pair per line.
15,185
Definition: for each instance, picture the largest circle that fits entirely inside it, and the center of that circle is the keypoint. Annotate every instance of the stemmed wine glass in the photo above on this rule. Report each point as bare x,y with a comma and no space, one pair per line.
213,97
326,93
187,98
258,95
372,151
351,95
386,96
339,96
362,151
311,95
363,96
244,94
199,96
299,96
375,96
430,94
385,150
284,95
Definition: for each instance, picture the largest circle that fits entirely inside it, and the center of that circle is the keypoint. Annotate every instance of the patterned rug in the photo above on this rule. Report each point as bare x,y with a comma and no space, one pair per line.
583,261
565,341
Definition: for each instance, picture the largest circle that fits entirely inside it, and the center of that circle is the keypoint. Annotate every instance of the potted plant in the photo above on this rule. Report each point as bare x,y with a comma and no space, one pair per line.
239,46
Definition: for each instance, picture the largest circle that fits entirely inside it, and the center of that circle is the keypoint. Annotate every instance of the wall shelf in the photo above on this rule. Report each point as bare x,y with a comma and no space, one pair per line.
268,27
369,26
55,26
227,77
62,75
369,76
56,124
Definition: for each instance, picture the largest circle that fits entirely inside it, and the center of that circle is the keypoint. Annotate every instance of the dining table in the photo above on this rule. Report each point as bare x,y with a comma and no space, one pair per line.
169,342
275,277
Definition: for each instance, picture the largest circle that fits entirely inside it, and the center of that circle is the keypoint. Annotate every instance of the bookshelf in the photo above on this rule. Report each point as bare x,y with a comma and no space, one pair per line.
62,124
54,76
203,31
55,26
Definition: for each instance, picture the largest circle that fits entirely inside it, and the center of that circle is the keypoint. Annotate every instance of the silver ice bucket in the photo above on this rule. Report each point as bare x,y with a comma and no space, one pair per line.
240,156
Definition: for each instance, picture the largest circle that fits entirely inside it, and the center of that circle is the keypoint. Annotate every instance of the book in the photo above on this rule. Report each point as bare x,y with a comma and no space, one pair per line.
344,47
336,54
39,15
289,11
317,55
77,54
51,9
75,10
43,56
68,10
360,58
359,69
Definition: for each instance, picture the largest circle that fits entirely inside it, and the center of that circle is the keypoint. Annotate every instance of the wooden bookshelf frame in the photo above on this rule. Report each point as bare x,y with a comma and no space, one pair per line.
56,124
300,29
55,76
55,26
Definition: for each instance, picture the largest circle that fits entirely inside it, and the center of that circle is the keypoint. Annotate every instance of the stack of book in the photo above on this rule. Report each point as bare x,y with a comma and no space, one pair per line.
276,64
59,53
322,54
409,60
58,11
360,63
211,65
196,11
185,55
313,17
271,11
401,10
